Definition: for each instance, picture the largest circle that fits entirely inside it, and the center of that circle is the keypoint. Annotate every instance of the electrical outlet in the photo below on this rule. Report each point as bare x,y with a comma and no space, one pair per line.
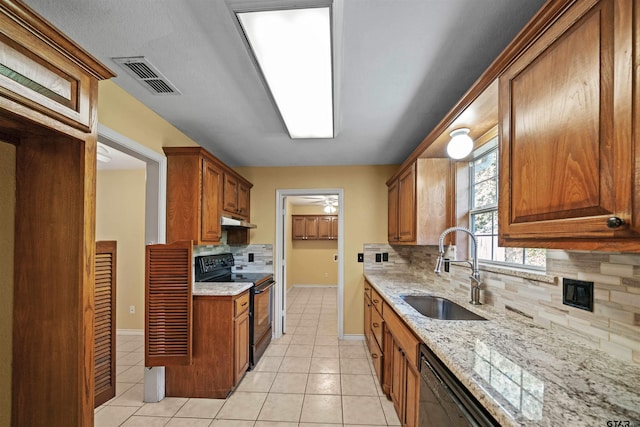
385,257
132,309
251,257
335,257
378,257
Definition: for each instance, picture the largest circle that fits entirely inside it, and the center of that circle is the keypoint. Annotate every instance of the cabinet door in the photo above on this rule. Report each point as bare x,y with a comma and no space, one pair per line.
398,379
392,229
566,148
367,322
407,205
230,203
244,196
105,322
412,396
241,342
210,222
311,227
334,228
324,227
299,228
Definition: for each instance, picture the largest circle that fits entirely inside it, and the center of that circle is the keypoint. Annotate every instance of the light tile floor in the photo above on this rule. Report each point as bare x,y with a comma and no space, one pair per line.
306,378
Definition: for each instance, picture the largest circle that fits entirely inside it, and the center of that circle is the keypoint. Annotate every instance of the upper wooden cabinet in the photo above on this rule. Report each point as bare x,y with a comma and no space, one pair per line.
568,172
236,196
304,227
328,227
196,182
420,202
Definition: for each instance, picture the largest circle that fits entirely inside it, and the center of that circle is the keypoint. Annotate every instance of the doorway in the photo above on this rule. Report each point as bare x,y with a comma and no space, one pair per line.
283,236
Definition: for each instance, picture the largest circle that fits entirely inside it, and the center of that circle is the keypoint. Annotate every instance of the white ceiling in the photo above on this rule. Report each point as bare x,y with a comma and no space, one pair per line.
400,67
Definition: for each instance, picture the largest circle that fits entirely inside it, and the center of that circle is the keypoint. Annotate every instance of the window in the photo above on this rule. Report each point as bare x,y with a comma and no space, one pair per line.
483,212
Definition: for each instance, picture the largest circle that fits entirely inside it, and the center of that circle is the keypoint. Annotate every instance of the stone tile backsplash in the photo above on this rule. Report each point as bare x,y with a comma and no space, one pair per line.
262,256
613,326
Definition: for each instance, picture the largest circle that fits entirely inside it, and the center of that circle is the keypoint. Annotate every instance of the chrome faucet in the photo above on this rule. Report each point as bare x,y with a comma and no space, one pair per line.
475,275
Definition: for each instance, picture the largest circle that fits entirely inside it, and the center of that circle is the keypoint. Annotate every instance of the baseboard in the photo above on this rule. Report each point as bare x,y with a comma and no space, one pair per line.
353,337
130,332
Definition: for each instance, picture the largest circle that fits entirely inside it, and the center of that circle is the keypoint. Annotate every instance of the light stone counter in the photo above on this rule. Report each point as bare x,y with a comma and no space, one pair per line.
525,375
220,288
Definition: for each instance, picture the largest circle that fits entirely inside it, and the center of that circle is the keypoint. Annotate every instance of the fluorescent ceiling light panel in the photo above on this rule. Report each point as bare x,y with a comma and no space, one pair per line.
293,50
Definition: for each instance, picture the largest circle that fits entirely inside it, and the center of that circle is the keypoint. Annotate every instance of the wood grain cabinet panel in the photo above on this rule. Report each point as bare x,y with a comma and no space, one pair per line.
420,202
314,227
105,322
236,196
566,149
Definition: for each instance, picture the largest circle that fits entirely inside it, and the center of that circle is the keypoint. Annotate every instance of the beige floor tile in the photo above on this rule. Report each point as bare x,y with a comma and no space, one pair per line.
112,416
257,381
189,422
326,351
306,330
276,349
142,421
319,425
363,410
321,408
389,411
275,424
295,364
242,406
352,343
354,366
358,385
352,352
327,331
232,423
132,397
121,368
303,339
269,364
128,346
295,308
282,407
323,384
122,387
299,350
290,329
325,365
131,359
284,339
167,407
289,382
200,408
308,322
134,374
327,340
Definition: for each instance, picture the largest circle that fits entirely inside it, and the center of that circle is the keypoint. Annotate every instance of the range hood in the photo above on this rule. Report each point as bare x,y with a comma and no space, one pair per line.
227,221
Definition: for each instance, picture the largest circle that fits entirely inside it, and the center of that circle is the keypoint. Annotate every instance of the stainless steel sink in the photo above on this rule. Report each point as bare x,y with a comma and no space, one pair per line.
439,308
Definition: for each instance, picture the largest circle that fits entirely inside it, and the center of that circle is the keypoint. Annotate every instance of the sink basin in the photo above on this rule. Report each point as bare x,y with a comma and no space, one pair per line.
439,308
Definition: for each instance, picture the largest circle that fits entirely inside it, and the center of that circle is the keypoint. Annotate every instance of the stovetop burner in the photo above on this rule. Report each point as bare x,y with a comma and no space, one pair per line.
217,268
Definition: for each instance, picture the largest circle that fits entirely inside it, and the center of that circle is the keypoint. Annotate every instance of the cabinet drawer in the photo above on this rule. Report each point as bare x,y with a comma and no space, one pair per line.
376,357
402,334
376,326
241,304
376,299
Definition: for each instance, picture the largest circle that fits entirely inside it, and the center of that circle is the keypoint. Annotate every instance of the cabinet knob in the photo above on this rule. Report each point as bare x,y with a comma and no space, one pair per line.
375,325
614,222
374,356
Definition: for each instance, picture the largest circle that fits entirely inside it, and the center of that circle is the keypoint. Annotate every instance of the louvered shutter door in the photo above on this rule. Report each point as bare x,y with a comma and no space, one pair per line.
168,305
104,326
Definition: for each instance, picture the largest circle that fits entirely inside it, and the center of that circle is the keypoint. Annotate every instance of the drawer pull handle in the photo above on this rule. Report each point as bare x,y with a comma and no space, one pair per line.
376,325
244,303
375,301
374,356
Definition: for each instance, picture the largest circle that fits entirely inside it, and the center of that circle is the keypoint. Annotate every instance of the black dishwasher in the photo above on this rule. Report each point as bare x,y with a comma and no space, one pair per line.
444,401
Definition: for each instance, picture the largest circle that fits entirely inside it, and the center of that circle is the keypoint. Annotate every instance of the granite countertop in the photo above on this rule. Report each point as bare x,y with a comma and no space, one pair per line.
220,288
524,374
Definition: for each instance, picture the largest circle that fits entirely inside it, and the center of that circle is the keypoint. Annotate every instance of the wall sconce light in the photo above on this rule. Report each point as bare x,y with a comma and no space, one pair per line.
460,145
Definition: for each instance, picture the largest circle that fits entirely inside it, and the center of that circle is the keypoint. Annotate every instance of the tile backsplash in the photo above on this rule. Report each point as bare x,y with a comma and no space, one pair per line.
613,326
262,256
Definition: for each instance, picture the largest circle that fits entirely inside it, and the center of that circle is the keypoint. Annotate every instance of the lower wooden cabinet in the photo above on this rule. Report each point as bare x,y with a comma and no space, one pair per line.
394,351
105,322
220,349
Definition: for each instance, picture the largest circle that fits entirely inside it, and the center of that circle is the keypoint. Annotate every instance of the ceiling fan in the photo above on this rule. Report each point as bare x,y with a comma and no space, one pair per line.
330,203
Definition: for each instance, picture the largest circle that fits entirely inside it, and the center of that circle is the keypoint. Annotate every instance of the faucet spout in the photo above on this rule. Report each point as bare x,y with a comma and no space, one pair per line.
473,263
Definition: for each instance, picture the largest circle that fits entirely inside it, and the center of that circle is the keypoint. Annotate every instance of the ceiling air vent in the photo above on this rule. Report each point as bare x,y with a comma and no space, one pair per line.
148,75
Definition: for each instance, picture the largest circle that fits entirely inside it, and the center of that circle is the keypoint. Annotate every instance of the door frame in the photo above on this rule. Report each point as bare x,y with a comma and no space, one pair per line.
279,320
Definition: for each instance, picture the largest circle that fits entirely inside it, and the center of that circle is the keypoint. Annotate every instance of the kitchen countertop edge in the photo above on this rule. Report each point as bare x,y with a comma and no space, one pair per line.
220,288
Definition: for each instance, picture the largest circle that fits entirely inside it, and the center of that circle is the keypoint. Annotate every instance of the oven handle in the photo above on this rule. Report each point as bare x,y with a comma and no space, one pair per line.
263,287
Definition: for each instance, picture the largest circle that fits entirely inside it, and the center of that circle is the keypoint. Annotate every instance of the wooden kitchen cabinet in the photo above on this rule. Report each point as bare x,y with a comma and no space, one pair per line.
220,350
236,196
401,373
196,183
305,227
420,202
568,154
328,227
373,331
105,322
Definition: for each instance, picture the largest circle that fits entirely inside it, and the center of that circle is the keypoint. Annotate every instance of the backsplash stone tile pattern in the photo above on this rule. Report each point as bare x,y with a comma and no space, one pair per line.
613,326
262,256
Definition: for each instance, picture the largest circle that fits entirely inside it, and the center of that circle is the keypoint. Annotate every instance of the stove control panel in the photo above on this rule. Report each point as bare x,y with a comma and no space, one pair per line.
211,263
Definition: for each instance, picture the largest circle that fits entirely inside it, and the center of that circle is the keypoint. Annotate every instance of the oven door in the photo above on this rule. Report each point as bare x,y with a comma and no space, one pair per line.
261,321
